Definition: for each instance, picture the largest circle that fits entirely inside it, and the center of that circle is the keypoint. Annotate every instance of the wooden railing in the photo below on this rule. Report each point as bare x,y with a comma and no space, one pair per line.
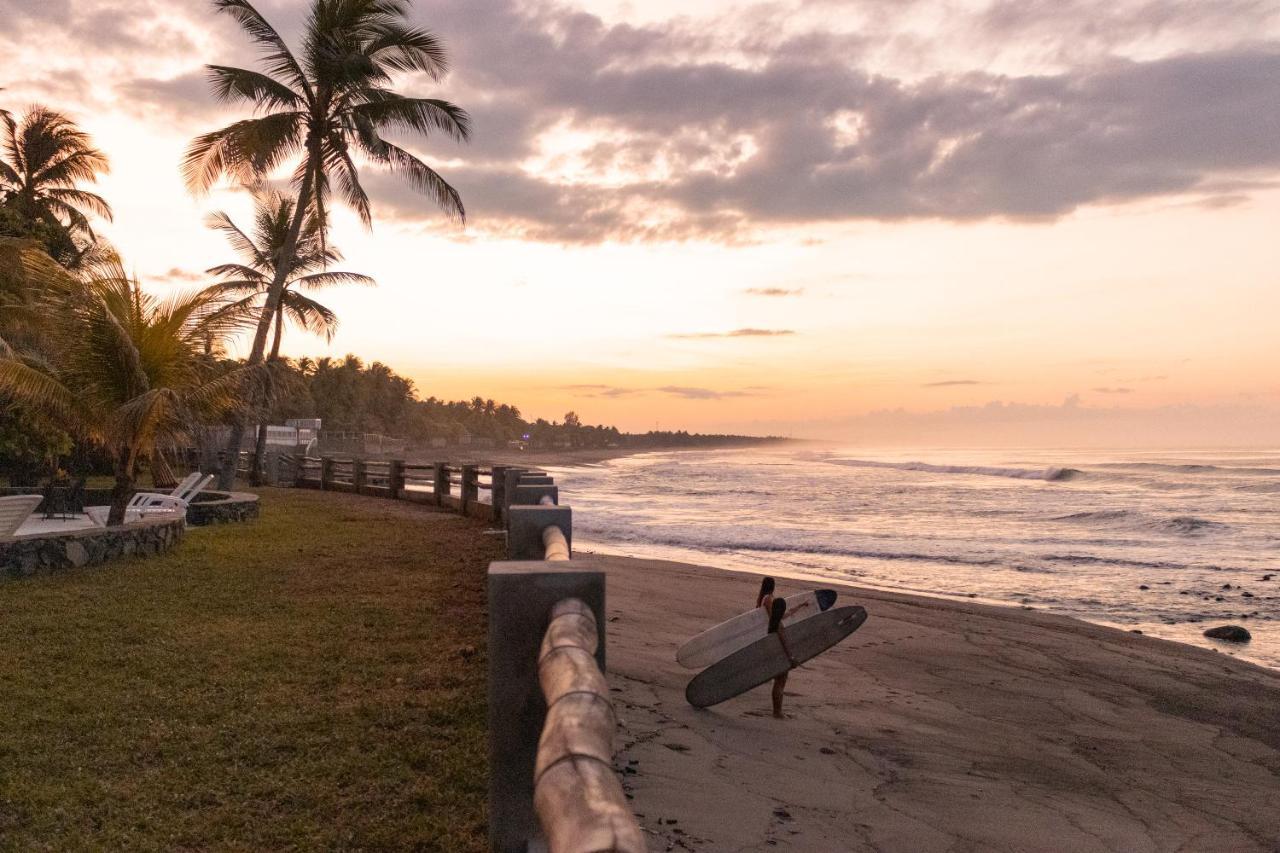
440,483
579,800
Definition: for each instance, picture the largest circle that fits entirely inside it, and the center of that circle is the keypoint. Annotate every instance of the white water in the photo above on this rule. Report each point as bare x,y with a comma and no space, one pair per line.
1069,532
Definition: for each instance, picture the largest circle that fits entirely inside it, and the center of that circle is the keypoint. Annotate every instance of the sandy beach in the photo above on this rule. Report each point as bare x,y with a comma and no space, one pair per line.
941,726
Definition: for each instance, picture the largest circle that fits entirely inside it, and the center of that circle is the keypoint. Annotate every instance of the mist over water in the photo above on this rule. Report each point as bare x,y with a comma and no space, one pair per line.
1071,532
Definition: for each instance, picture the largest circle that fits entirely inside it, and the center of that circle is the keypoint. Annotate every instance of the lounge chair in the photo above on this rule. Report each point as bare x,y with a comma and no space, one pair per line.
145,504
14,510
142,499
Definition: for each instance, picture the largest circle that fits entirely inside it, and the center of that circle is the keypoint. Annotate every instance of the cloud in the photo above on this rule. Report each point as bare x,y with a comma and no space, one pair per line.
719,128
701,393
176,275
723,126
1110,390
774,291
594,390
736,333
948,383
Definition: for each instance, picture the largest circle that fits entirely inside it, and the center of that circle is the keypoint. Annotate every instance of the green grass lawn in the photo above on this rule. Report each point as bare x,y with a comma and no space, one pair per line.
312,680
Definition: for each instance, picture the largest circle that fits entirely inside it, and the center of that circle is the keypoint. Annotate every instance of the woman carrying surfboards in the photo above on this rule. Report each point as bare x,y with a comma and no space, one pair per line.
764,599
777,609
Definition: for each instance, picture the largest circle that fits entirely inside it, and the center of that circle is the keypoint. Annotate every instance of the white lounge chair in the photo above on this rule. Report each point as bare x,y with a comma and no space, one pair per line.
14,510
145,504
143,499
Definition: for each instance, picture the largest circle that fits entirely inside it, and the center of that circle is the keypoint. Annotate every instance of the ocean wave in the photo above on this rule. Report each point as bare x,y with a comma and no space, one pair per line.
1188,525
1183,525
1190,468
1096,515
1050,474
767,546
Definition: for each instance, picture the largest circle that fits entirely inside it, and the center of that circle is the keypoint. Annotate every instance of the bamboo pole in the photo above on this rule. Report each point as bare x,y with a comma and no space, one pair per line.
579,800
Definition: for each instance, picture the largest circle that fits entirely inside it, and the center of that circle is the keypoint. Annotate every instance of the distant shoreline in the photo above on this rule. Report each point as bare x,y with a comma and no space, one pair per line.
565,458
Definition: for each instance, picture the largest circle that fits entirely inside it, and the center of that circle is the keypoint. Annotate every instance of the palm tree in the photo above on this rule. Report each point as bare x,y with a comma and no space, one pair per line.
125,368
331,103
46,158
250,281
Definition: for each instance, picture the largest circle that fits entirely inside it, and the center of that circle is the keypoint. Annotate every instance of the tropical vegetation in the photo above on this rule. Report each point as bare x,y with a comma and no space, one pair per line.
314,113
45,161
118,366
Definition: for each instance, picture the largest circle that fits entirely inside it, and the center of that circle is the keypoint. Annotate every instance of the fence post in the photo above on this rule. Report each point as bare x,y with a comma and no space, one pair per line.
468,490
497,493
510,479
521,595
358,475
326,472
395,477
525,525
440,485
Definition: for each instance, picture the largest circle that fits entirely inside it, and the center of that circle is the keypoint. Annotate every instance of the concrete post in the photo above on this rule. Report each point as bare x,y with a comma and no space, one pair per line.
521,595
395,477
440,481
467,490
326,472
510,479
533,494
525,525
536,480
359,475
497,492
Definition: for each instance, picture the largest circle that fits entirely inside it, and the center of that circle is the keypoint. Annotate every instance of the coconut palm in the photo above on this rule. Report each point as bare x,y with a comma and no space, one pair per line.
125,368
46,158
250,280
319,110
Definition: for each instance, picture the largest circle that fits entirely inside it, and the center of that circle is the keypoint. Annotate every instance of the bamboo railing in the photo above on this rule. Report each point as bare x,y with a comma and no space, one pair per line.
579,800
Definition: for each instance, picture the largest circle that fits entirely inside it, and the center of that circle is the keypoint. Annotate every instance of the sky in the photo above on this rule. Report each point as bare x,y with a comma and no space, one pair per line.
884,221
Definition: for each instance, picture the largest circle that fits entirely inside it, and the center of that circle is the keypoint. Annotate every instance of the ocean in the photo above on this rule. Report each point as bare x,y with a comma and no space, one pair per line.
1167,543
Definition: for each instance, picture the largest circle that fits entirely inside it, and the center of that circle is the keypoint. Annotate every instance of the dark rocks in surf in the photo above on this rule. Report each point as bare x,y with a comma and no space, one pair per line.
1143,586
1230,633
1267,577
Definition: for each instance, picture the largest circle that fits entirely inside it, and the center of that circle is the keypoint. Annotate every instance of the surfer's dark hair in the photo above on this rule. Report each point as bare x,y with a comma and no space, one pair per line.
776,613
766,588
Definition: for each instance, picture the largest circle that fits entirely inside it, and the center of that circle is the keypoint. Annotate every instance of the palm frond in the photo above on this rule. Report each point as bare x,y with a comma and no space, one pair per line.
93,202
241,84
245,150
331,278
421,176
239,240
279,59
423,115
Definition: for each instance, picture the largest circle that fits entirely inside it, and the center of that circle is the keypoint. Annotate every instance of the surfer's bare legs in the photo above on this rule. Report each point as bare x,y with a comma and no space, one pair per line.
779,685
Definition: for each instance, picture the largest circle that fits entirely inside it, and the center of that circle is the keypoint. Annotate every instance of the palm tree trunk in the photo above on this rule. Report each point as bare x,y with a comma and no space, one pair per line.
227,476
260,442
123,488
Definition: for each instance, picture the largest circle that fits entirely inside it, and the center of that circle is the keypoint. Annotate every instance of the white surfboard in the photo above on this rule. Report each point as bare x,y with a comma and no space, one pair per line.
720,641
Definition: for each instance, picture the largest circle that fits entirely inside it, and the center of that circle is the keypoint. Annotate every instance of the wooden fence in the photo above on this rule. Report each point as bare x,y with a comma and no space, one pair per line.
459,487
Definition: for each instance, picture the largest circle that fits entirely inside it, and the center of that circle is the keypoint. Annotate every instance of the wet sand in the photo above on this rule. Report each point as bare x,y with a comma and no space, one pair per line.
941,726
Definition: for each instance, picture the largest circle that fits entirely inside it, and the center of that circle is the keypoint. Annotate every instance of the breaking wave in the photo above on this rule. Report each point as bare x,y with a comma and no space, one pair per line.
1051,474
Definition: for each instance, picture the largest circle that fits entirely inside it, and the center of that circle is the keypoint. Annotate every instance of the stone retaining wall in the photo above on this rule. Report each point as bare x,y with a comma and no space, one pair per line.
33,554
222,508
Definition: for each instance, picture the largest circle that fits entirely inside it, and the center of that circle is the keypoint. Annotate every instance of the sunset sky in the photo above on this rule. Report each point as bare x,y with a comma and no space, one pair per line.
1016,221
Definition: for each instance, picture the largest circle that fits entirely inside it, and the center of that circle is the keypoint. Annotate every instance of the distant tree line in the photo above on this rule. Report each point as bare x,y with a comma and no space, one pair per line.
350,396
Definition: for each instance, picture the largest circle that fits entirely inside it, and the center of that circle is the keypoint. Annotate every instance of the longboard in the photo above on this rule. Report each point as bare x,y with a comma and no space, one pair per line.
764,659
720,641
